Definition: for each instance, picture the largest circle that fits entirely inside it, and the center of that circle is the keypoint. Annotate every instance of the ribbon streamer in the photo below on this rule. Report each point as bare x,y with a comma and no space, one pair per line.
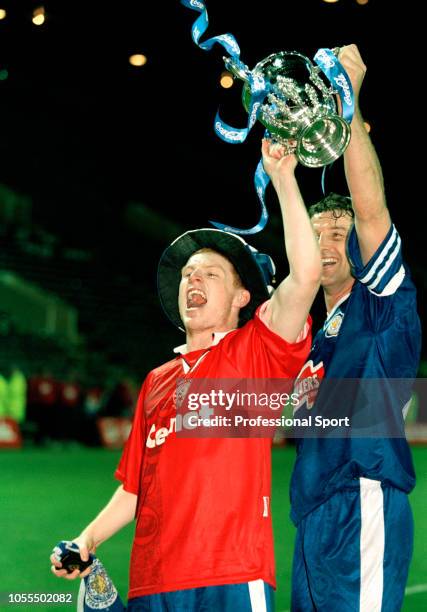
338,78
324,58
258,88
261,180
257,85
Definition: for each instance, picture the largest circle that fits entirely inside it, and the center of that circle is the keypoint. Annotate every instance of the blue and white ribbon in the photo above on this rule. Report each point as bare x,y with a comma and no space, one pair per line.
256,83
258,88
261,180
338,78
200,26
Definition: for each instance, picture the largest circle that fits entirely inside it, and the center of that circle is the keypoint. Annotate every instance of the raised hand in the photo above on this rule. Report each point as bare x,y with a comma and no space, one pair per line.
350,58
276,161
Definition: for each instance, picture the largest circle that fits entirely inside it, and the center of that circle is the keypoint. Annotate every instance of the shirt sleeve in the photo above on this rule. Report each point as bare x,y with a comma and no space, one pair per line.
130,464
258,352
384,272
303,333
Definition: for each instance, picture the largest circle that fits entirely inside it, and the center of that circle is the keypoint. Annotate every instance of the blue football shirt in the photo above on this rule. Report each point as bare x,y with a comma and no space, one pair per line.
372,333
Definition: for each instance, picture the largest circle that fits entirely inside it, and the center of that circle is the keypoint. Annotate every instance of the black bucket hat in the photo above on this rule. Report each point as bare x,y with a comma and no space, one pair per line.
256,270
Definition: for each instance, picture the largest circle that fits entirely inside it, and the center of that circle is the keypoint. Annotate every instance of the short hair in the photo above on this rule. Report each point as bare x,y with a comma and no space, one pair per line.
237,281
337,204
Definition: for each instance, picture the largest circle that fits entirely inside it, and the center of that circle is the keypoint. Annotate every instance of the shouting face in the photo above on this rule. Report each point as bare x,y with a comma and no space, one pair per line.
210,293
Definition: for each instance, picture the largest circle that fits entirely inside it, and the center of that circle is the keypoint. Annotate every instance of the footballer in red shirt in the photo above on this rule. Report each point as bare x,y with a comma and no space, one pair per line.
203,538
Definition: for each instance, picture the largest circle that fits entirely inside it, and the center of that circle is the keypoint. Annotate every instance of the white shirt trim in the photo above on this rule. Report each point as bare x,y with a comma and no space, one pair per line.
257,595
384,253
340,301
216,338
386,267
393,284
372,545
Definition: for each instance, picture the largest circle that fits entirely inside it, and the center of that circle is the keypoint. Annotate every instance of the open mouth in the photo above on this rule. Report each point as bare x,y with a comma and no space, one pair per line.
196,298
328,261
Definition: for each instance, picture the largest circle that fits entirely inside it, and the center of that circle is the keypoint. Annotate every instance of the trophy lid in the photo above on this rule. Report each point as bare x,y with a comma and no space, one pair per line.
291,64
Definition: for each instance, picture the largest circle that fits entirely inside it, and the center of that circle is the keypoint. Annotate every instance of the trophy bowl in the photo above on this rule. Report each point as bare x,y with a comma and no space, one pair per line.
300,107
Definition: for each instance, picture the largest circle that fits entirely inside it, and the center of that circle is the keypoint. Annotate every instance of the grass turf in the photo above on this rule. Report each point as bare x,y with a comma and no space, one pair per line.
50,495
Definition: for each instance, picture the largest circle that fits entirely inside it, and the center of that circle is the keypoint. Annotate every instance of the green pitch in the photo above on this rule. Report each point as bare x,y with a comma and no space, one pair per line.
46,496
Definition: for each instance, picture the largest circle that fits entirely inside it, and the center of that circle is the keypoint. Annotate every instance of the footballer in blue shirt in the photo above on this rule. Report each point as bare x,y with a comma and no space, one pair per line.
349,493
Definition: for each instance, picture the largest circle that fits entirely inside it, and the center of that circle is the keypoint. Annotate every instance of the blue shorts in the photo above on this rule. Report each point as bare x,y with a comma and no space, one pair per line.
254,596
352,553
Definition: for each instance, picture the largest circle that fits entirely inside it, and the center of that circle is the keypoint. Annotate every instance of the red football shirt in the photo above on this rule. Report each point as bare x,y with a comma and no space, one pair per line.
203,513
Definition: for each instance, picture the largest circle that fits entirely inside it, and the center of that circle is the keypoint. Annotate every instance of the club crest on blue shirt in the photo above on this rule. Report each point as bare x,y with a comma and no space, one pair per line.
334,325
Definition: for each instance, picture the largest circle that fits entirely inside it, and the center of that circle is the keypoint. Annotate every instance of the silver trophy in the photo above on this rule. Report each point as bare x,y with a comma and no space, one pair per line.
300,111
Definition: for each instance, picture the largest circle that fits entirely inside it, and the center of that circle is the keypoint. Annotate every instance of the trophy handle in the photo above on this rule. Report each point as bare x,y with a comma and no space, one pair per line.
238,69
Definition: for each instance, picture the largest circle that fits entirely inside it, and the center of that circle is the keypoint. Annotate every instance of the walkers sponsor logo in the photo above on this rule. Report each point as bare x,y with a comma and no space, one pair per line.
307,384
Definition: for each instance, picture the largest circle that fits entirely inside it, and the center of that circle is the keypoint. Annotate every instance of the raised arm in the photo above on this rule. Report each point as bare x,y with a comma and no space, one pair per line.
290,304
119,511
362,168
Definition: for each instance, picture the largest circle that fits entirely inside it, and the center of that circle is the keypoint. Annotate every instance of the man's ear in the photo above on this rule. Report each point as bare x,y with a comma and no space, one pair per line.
242,298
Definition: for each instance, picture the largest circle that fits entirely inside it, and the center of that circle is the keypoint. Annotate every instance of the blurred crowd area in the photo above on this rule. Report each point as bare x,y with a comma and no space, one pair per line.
81,326
78,329
62,411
